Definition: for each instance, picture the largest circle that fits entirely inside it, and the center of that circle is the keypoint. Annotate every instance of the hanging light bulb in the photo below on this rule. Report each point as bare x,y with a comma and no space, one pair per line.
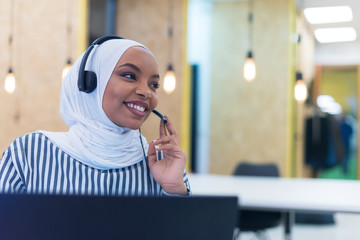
66,68
300,89
10,82
169,80
68,35
10,77
249,68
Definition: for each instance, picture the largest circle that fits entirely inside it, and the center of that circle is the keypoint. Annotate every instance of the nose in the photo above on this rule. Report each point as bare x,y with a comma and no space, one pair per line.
143,90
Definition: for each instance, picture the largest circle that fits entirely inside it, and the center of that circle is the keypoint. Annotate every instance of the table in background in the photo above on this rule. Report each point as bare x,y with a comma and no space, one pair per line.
287,195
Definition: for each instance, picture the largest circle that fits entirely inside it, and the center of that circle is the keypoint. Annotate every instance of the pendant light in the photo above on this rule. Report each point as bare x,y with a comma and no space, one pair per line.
170,80
10,83
249,66
300,88
68,36
66,68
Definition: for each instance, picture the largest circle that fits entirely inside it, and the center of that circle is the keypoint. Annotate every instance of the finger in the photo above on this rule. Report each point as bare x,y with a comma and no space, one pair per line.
152,154
168,147
171,152
166,139
170,127
162,128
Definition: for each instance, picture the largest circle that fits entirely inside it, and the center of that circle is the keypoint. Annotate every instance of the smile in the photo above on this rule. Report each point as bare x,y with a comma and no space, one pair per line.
136,107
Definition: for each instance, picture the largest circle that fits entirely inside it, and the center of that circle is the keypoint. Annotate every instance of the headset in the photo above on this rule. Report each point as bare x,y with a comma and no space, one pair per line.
87,80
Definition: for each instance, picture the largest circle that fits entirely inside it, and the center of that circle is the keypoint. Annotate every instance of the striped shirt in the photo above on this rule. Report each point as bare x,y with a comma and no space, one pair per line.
33,164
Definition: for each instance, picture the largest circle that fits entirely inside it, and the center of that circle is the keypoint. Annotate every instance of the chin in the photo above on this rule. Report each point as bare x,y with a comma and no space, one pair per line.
131,123
134,125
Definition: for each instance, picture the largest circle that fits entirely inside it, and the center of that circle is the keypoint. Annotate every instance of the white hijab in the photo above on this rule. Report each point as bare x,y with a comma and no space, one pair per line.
93,138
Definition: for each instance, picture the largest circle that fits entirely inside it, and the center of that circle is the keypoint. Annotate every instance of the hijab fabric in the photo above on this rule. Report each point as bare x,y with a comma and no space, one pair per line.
93,139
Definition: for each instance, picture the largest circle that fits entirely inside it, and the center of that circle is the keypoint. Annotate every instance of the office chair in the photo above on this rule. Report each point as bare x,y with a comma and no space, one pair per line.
257,221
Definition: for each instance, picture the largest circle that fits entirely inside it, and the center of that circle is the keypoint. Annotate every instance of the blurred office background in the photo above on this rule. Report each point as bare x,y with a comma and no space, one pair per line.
222,118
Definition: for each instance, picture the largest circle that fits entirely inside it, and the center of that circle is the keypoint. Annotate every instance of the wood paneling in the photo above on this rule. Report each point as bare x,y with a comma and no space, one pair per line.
148,22
249,120
40,48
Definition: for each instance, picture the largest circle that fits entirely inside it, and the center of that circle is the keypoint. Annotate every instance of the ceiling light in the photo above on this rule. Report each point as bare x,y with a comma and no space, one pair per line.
331,35
321,15
328,104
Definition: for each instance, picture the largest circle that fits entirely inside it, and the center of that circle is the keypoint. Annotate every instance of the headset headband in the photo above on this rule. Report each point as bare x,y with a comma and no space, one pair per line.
87,80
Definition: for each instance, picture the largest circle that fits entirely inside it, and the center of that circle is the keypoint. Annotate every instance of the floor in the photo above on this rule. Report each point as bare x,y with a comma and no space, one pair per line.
347,227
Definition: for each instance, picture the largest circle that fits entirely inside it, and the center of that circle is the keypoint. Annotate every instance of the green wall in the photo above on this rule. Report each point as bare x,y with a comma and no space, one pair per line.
341,84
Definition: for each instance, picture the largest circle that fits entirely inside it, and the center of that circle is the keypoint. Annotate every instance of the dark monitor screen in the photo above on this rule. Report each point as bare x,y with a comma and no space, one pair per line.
96,217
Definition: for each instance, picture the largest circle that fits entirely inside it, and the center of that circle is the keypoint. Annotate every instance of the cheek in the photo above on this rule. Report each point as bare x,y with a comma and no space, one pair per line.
154,101
112,99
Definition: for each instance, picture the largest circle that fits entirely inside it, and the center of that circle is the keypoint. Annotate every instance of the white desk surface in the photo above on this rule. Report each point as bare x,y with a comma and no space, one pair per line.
284,194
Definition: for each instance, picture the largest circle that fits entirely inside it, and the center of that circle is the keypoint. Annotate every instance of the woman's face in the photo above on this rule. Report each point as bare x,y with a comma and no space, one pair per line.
130,94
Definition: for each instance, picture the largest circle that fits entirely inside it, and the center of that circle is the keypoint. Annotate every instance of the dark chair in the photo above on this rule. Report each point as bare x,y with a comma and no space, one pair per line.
257,221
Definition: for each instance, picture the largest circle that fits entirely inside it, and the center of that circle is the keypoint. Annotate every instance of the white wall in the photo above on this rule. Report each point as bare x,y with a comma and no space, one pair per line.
199,52
337,54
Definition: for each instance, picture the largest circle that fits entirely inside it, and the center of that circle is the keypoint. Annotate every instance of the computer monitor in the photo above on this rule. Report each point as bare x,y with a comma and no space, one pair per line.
99,217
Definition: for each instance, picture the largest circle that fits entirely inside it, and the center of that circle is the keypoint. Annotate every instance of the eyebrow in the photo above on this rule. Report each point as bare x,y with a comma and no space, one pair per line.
136,68
131,65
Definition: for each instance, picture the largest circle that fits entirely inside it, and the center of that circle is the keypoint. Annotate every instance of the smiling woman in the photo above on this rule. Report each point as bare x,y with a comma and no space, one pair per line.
103,153
130,95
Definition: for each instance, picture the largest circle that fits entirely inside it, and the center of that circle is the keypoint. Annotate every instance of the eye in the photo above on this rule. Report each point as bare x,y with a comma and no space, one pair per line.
155,85
129,76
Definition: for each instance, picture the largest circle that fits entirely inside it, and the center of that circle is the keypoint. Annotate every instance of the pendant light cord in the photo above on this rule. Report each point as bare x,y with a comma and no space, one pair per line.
68,31
11,34
250,21
170,30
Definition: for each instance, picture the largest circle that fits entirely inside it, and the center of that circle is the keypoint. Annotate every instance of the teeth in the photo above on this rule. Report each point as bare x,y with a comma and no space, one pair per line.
140,109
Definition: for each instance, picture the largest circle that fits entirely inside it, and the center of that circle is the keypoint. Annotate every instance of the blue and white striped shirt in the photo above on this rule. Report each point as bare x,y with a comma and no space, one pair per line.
33,164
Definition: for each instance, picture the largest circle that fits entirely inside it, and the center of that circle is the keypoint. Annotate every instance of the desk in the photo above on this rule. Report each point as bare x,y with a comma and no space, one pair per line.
288,195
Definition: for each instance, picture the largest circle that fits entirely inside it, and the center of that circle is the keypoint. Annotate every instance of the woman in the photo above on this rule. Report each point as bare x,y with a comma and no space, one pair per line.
103,153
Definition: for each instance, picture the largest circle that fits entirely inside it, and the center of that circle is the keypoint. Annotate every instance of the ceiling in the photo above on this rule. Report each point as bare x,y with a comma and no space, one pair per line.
336,53
331,54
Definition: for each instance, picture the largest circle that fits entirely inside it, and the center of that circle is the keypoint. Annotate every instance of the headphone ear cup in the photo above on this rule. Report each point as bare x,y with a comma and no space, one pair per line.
90,81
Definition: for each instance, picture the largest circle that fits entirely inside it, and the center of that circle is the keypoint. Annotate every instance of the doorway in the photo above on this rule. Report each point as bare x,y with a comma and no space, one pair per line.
339,85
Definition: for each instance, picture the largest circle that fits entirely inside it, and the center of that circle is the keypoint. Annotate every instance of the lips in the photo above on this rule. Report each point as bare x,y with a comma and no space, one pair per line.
137,108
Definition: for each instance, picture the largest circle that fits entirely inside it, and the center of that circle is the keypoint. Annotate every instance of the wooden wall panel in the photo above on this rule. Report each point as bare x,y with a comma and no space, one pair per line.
249,120
147,22
41,46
